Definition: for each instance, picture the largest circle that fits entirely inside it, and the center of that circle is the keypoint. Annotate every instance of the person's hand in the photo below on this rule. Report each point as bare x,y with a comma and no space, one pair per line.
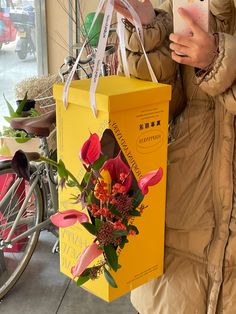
143,8
198,50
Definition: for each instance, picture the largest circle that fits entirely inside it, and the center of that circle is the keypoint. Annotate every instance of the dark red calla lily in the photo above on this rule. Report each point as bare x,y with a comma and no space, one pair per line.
116,167
150,179
91,150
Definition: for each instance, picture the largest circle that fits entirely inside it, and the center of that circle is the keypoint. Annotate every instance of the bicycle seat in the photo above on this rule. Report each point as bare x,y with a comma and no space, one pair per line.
38,126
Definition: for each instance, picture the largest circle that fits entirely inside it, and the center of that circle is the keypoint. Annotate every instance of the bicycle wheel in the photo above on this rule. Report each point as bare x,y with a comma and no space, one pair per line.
15,257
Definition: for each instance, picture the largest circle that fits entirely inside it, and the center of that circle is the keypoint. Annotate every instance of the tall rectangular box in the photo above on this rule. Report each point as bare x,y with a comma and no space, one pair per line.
136,113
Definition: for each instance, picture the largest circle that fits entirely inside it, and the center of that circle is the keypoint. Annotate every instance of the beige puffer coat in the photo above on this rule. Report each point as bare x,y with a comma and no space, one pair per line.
200,254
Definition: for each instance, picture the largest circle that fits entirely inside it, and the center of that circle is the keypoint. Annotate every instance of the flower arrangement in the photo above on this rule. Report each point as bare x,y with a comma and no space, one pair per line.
112,198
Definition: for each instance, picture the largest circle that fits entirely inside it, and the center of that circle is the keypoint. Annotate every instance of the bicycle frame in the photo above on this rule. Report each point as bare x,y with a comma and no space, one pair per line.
9,241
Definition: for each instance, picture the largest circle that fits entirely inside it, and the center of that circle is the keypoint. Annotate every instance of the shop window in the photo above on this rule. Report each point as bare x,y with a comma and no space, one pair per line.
23,48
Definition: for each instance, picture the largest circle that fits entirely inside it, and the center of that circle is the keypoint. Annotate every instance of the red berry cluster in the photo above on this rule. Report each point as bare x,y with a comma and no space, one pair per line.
118,188
101,191
97,211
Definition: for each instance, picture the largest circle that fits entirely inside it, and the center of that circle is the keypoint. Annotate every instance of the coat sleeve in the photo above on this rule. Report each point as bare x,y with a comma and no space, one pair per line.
221,81
223,73
156,44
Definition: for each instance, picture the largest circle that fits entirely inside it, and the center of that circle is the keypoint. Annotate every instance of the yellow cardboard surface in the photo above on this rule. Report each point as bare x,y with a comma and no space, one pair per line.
137,113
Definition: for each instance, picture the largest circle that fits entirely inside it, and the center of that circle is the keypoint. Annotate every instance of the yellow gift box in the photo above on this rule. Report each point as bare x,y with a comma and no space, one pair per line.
137,114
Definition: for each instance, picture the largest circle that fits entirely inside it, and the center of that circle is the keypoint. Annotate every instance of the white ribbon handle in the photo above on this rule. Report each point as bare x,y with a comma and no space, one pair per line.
121,35
139,30
70,76
100,52
102,46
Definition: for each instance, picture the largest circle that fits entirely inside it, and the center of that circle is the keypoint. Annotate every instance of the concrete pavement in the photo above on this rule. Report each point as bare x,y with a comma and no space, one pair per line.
42,289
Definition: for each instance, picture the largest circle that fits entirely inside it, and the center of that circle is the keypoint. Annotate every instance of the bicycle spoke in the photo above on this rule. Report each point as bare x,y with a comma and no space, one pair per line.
21,212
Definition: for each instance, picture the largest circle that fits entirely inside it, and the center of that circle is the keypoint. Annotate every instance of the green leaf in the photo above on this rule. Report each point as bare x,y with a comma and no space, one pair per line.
90,198
111,256
63,173
132,227
90,227
19,136
34,113
21,105
120,233
138,198
134,212
110,279
10,108
124,240
114,211
71,183
97,165
87,176
8,119
22,140
81,280
98,223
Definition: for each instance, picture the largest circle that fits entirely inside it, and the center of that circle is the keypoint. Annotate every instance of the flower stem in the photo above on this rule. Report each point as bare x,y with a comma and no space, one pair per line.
55,164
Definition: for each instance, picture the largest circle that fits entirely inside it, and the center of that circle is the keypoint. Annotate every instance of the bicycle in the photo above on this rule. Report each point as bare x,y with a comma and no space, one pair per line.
26,206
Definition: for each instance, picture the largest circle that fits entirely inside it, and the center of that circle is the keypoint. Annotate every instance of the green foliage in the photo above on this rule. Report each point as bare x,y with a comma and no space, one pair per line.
81,280
98,223
138,198
33,113
134,228
97,165
21,106
15,113
115,212
19,135
62,171
135,213
90,227
71,184
124,240
120,233
90,198
110,279
111,256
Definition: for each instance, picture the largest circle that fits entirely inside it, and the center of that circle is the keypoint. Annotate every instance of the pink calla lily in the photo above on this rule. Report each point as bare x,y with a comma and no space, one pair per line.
88,255
91,150
150,179
68,218
116,166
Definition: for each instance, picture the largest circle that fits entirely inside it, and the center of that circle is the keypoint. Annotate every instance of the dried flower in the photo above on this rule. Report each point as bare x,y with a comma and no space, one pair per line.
123,204
105,234
94,272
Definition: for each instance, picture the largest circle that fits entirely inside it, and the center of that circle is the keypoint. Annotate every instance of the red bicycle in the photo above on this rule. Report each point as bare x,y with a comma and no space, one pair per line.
7,29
